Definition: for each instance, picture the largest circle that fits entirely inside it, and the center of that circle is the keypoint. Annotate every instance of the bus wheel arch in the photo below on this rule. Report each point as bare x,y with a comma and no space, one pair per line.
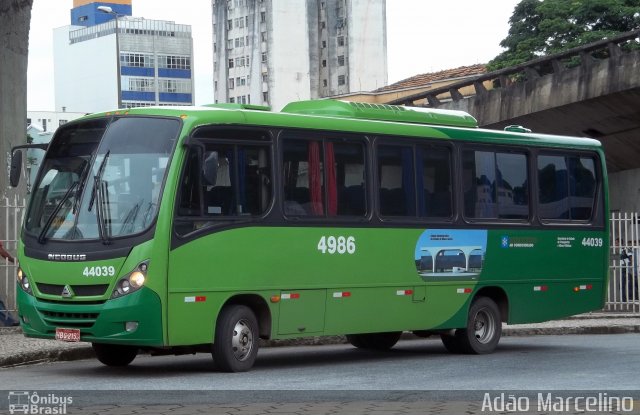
260,309
499,296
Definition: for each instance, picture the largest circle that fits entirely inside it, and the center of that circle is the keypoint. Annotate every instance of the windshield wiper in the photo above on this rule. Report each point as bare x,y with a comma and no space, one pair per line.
103,213
147,214
130,219
100,194
54,214
97,179
83,180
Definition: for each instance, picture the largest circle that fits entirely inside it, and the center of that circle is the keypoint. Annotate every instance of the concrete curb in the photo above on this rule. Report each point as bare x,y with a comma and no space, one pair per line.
47,356
10,330
556,331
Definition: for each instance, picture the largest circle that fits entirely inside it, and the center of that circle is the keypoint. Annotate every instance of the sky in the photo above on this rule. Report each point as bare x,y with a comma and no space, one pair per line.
422,36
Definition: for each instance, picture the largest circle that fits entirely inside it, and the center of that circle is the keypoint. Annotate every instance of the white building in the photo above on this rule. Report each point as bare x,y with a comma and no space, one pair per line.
271,52
49,121
155,60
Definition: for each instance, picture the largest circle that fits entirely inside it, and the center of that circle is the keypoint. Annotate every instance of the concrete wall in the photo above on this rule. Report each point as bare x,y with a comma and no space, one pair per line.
220,68
624,191
289,78
573,85
367,45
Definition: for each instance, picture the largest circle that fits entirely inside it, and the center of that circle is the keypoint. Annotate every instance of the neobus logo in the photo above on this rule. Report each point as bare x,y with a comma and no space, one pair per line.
67,257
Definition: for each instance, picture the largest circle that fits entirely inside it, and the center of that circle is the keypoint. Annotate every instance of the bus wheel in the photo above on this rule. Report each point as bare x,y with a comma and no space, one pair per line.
114,354
374,341
235,345
483,331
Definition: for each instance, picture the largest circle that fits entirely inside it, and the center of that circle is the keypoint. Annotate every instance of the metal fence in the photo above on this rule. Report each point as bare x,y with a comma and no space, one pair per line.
11,214
624,273
624,262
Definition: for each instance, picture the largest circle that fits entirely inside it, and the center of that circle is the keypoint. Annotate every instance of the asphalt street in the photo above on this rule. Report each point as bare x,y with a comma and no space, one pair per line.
585,362
595,352
416,377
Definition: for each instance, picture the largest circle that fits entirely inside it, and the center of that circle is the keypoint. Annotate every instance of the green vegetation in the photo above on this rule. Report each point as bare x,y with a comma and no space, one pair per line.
544,27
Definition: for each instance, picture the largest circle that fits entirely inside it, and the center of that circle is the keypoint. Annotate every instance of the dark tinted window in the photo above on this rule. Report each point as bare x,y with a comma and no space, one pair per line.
434,181
349,172
512,186
396,183
566,187
323,178
224,180
495,185
303,178
240,185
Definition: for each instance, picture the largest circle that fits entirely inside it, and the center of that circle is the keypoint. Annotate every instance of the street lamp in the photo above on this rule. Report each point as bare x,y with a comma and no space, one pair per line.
109,10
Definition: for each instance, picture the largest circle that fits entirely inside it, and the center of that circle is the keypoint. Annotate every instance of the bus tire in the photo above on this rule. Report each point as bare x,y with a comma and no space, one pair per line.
483,331
374,341
115,355
235,345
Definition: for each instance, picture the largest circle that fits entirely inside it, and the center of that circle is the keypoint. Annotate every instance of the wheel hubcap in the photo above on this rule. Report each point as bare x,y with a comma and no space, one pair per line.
242,340
484,327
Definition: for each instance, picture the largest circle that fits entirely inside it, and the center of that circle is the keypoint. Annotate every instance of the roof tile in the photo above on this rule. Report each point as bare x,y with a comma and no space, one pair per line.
427,78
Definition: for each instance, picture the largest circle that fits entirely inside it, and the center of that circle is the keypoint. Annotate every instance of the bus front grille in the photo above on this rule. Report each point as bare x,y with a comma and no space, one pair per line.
78,290
65,319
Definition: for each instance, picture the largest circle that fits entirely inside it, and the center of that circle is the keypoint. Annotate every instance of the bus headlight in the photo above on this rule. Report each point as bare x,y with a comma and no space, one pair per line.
23,281
132,281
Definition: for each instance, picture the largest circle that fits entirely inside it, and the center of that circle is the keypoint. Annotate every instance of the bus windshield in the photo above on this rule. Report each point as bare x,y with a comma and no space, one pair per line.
101,178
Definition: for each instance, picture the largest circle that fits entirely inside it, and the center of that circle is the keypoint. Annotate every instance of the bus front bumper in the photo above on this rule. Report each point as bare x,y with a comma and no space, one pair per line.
134,319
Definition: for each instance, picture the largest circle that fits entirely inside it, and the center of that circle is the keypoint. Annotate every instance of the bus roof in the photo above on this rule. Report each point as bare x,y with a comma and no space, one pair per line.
329,114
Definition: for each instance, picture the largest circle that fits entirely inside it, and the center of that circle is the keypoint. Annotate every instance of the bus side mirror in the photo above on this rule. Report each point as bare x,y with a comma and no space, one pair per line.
16,167
210,168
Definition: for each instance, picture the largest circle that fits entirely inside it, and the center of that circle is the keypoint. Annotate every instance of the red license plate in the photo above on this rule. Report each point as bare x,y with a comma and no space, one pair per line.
68,335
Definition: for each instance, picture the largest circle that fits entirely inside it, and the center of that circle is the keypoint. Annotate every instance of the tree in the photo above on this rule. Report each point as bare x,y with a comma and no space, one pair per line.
544,27
15,16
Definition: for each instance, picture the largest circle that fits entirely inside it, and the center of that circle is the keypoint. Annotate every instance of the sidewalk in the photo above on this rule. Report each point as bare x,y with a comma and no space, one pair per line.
15,349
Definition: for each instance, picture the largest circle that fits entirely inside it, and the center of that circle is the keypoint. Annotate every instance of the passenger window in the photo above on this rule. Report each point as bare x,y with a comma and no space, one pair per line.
434,182
495,185
323,178
349,172
396,183
241,181
479,184
582,187
190,185
566,187
303,178
224,181
512,186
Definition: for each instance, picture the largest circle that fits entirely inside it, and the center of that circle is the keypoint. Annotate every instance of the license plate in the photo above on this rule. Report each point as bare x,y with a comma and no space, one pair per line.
68,335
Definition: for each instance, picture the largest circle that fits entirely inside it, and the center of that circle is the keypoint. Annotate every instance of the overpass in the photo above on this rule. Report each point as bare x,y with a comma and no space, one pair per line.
592,91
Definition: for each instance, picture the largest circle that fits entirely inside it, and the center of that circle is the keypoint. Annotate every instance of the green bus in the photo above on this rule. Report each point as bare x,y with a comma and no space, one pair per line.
205,229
